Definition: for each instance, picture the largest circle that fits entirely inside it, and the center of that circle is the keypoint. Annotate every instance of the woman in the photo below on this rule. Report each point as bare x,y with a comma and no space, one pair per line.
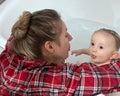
33,61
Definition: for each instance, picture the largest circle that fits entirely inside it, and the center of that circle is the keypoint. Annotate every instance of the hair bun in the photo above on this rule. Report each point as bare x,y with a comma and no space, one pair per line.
20,28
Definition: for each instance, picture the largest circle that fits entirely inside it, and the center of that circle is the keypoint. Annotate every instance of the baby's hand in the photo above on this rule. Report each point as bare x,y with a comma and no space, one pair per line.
80,52
77,52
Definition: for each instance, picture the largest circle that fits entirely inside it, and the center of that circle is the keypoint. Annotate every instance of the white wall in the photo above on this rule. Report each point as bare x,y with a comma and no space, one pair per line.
82,17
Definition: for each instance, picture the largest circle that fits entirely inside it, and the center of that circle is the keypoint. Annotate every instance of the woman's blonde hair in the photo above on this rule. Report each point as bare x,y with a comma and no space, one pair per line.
32,30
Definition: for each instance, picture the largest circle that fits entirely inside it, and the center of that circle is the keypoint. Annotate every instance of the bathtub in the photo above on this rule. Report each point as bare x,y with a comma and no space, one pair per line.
82,18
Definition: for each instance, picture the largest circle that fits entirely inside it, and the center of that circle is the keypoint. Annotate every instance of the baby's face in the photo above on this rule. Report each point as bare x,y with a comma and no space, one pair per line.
101,47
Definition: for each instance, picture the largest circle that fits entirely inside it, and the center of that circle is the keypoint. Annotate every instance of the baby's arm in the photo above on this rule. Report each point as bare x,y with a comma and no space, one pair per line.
81,51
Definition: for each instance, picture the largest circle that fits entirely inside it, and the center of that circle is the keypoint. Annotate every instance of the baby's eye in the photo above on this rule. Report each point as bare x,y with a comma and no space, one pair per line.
92,44
101,47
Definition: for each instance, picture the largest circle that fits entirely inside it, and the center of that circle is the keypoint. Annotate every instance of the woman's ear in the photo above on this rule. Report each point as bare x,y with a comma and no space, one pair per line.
115,55
49,46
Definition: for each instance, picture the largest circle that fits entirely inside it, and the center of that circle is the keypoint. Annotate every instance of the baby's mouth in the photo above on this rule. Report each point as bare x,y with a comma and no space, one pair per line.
93,56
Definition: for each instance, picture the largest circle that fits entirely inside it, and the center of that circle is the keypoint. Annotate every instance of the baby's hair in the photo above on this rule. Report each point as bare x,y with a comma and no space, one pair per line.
114,34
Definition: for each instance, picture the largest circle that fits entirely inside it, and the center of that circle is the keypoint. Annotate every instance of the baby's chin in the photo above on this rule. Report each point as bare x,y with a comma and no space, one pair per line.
99,63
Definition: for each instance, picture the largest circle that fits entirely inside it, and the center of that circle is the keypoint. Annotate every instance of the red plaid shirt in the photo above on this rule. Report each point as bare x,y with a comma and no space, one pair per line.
22,77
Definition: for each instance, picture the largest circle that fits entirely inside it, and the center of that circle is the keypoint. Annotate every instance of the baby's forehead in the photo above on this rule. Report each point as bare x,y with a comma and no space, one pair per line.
110,35
103,33
103,36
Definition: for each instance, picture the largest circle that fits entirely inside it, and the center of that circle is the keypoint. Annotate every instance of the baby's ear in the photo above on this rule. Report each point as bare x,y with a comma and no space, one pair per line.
115,55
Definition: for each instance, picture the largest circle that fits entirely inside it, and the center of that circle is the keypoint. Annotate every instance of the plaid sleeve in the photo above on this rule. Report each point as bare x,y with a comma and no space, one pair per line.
95,80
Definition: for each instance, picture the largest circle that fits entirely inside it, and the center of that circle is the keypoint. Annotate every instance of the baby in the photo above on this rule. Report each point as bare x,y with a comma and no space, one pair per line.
104,47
